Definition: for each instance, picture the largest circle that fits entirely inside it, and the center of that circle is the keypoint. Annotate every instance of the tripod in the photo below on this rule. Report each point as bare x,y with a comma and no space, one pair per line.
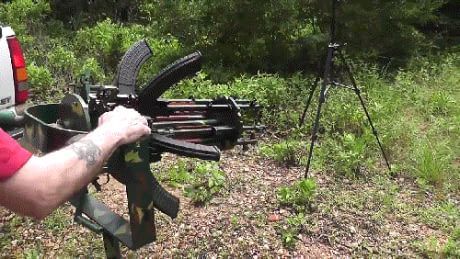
334,49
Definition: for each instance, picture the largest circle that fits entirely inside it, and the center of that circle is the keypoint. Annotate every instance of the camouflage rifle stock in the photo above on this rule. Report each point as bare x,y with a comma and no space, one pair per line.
196,128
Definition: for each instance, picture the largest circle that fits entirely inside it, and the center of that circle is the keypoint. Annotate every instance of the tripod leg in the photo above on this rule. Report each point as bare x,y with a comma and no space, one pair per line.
307,105
358,93
314,136
322,99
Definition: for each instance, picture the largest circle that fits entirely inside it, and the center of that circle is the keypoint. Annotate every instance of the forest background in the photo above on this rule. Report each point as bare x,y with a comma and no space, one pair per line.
406,59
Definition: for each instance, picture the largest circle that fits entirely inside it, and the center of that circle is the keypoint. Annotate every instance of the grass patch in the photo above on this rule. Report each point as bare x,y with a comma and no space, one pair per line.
299,197
287,152
200,181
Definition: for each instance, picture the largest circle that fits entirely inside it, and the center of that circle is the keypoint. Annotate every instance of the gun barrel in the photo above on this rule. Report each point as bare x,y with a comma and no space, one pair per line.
179,123
207,101
204,107
196,132
183,117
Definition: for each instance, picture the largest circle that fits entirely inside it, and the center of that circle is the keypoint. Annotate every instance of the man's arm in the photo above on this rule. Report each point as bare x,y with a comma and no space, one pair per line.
44,183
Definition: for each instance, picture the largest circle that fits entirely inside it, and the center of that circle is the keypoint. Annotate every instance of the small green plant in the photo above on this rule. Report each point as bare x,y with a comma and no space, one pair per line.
33,253
92,66
200,181
345,154
351,157
288,152
57,221
431,166
40,80
300,195
178,174
207,180
441,103
452,248
293,226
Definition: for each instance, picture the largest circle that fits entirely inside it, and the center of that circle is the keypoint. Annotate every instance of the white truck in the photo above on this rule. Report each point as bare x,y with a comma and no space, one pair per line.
13,83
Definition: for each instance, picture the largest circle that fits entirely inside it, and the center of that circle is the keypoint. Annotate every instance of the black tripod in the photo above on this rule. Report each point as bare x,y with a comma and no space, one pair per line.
333,50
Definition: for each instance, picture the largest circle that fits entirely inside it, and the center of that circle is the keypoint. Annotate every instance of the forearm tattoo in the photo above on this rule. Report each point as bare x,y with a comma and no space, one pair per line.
86,150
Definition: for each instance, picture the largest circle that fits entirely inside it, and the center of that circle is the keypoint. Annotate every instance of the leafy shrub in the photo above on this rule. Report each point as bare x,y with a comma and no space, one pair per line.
62,62
91,66
440,103
104,42
279,97
346,154
108,41
207,182
452,248
431,165
288,152
201,181
178,174
25,16
294,226
300,195
41,81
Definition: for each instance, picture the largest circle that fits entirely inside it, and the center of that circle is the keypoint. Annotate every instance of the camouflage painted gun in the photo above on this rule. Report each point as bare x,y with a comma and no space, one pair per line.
187,127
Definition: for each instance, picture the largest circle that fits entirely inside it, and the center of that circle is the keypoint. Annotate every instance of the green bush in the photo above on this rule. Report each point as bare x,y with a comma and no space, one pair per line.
293,226
346,154
431,164
300,195
287,152
452,248
91,66
108,41
25,16
41,82
208,181
280,98
63,63
200,181
178,174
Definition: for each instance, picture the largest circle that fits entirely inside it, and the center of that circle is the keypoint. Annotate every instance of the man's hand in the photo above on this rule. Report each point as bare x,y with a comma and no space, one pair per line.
126,125
44,183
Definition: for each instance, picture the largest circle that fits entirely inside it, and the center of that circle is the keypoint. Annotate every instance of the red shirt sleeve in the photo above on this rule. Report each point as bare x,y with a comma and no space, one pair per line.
12,156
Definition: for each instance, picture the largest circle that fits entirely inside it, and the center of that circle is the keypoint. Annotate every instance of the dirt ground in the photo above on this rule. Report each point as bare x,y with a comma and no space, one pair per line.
376,215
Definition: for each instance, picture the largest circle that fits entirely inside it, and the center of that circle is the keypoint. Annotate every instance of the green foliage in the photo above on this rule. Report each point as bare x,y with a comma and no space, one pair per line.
452,248
441,103
287,152
300,195
431,166
201,181
442,216
294,226
41,81
91,66
25,16
34,253
290,34
62,62
346,154
178,174
57,221
433,247
279,97
77,13
104,42
240,34
208,182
